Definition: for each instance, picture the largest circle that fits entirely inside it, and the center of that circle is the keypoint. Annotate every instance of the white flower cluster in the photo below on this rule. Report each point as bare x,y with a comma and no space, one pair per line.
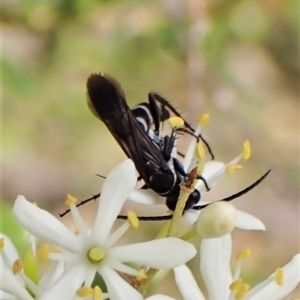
127,269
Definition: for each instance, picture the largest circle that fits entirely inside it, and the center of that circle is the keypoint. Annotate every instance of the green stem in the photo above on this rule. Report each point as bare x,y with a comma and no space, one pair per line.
164,230
171,228
187,236
183,196
145,283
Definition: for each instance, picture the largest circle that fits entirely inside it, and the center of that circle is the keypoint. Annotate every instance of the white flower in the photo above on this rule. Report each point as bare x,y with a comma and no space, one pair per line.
14,282
212,171
91,252
215,269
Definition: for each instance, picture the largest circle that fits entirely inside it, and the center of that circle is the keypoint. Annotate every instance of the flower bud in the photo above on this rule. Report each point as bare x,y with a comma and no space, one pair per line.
216,220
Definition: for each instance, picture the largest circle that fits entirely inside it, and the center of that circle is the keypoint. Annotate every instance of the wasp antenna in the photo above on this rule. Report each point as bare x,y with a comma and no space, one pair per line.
148,218
101,176
239,194
94,197
180,154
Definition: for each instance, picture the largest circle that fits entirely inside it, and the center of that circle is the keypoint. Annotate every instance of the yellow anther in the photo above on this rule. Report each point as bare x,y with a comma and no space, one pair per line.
97,294
246,150
176,122
43,252
35,203
17,266
203,119
133,220
241,291
95,255
2,244
142,275
243,254
278,276
236,284
84,291
70,200
76,231
199,151
232,168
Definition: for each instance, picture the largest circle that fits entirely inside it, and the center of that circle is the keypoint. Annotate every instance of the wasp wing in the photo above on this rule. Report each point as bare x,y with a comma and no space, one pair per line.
107,102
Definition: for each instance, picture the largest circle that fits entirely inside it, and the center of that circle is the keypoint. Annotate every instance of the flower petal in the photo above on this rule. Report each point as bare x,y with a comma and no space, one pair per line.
9,250
215,265
7,296
268,289
44,225
145,197
211,168
248,222
165,253
160,297
52,274
9,283
118,185
191,215
190,150
187,284
66,287
117,287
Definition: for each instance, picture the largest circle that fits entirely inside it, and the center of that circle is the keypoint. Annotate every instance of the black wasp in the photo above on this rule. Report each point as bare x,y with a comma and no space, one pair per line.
150,152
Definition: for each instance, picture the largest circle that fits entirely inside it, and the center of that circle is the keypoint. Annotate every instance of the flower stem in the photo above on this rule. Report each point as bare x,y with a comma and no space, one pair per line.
185,189
190,234
184,194
164,230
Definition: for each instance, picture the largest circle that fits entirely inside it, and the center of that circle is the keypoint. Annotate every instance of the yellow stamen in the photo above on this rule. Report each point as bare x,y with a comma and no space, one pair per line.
232,168
278,276
199,151
243,254
236,284
17,266
84,291
95,255
43,252
35,203
176,122
76,231
142,275
132,219
246,150
203,119
2,244
241,291
97,295
70,200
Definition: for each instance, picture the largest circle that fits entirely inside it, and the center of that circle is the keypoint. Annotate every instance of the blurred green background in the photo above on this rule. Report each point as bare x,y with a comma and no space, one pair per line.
236,60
